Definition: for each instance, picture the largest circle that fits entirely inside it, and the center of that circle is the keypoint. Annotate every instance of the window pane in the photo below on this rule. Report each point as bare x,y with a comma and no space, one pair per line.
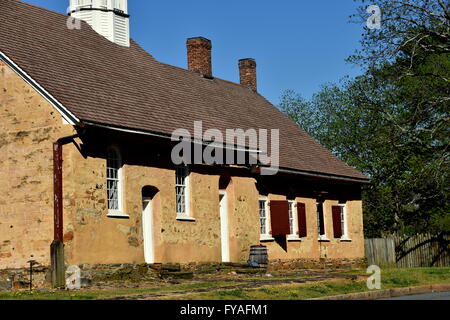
320,222
291,217
180,188
263,217
112,178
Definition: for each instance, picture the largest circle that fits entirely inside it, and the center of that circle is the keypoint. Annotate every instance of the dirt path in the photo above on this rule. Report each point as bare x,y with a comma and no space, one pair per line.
244,284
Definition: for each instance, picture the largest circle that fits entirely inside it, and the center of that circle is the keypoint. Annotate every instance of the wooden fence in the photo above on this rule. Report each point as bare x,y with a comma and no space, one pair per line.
409,252
380,252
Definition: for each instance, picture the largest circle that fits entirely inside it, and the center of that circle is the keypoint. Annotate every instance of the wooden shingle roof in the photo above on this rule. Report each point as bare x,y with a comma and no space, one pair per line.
101,82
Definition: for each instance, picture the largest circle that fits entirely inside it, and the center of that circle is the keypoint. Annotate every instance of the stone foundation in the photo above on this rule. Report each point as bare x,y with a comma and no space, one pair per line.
292,265
93,275
19,279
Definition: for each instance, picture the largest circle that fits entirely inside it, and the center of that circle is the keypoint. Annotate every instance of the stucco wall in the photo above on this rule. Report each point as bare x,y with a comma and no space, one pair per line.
310,247
28,127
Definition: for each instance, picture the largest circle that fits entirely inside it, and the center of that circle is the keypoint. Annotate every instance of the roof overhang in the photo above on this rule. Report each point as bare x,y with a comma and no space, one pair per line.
73,120
319,175
169,137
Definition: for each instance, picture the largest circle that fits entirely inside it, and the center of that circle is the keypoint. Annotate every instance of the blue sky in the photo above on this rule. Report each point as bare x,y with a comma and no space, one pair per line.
298,44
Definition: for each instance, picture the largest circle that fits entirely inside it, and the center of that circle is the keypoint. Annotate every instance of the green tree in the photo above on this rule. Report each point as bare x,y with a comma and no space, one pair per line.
392,123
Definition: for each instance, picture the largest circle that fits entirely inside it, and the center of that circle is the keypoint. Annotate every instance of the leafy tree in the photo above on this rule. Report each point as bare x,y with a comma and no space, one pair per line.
392,123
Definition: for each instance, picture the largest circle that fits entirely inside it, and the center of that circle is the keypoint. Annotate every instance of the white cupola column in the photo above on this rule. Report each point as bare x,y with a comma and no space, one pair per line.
108,17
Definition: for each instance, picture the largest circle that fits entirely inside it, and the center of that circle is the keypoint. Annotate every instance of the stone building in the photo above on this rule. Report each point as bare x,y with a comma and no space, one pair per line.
86,124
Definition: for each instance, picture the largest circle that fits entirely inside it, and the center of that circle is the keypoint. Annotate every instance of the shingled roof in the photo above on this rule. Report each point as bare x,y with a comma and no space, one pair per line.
77,68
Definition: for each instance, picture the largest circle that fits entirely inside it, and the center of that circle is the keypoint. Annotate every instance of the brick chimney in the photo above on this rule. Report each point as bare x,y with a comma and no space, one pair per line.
247,72
199,56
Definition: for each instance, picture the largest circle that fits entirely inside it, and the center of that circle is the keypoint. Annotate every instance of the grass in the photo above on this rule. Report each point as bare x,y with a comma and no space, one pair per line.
391,278
106,294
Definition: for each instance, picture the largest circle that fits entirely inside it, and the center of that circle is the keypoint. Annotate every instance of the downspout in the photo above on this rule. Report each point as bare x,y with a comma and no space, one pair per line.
58,185
57,248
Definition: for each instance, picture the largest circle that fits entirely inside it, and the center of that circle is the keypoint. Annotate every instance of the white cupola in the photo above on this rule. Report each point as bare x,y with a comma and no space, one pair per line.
108,17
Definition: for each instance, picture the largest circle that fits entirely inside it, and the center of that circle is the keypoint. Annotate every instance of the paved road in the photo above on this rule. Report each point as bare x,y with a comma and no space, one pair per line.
428,296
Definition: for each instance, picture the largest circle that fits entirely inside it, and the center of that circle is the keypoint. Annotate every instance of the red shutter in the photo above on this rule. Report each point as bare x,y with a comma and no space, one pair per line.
302,230
337,222
279,214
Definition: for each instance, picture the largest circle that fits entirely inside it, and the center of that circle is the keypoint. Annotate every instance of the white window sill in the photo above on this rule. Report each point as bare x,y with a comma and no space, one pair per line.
294,238
345,239
324,239
117,214
266,238
185,218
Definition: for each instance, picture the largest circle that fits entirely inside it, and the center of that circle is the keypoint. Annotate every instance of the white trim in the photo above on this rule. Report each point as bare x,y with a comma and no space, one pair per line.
187,195
64,112
224,226
183,218
186,216
295,235
345,237
266,238
147,230
268,235
119,212
323,238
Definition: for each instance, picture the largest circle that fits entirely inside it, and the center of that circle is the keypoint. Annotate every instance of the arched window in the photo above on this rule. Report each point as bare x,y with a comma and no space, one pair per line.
114,182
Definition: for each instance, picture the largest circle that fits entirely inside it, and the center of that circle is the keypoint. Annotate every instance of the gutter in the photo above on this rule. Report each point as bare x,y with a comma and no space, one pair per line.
164,136
320,175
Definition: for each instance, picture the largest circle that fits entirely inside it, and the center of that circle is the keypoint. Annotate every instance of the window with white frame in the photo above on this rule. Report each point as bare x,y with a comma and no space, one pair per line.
182,191
264,218
320,221
343,209
293,220
114,181
291,217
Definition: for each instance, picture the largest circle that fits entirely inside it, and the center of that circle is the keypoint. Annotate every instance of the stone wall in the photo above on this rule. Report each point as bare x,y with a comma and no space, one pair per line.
310,247
28,127
19,279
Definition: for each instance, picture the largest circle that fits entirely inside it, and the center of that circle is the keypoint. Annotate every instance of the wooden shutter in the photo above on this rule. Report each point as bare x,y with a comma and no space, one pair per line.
337,226
279,214
301,211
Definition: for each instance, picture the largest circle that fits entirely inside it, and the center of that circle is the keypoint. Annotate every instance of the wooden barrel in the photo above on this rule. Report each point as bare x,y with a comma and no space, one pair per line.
259,256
